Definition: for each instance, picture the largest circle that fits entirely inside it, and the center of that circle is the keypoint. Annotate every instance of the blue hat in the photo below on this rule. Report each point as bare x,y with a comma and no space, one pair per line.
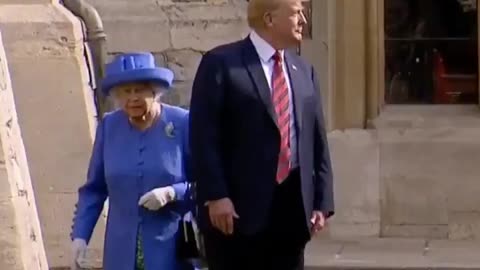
135,67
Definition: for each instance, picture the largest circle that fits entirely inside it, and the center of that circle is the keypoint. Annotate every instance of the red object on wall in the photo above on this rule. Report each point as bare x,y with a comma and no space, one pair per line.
451,88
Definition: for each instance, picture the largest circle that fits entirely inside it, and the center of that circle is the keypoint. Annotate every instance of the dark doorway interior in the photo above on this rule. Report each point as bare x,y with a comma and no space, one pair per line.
431,52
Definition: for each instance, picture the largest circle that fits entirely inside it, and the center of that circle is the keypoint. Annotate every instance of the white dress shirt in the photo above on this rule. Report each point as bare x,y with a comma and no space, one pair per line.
265,51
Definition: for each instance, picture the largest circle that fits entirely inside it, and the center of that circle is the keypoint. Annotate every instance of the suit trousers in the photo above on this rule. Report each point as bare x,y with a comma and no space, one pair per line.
280,246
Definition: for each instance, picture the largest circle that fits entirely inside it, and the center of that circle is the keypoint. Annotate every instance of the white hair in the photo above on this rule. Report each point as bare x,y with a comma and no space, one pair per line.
115,104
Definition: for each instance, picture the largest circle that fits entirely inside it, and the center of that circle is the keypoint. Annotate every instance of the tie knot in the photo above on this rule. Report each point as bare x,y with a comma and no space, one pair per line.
277,57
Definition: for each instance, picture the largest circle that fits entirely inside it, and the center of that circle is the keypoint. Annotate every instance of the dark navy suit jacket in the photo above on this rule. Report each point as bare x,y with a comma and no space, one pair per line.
235,142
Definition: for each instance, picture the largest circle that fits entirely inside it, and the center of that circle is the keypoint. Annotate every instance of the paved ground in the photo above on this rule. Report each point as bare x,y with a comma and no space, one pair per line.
392,254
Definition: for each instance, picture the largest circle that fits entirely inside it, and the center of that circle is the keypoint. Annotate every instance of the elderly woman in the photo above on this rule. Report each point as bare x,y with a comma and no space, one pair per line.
139,163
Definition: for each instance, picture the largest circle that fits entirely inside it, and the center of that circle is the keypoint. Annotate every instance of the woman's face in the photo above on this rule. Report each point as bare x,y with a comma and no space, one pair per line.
136,99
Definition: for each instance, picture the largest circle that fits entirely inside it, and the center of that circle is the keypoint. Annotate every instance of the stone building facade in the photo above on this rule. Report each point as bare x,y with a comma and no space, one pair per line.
397,167
402,170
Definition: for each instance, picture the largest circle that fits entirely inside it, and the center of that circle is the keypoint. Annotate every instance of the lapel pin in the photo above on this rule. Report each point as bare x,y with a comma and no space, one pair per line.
294,67
170,130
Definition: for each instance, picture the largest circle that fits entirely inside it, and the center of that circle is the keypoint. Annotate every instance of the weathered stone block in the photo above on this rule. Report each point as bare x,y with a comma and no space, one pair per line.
386,247
413,193
355,159
202,12
428,173
133,11
10,253
338,229
464,225
216,1
203,36
319,251
184,63
387,254
427,119
160,59
126,35
415,231
23,24
443,251
171,97
181,93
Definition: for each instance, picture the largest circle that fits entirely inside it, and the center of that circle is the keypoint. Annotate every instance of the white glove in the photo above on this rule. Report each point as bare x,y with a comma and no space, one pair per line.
157,198
79,252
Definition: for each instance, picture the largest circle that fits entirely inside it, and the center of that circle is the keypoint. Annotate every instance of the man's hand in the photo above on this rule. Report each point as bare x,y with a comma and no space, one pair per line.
318,222
221,214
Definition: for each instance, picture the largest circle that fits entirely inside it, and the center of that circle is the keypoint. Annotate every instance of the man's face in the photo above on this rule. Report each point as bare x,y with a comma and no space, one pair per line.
287,22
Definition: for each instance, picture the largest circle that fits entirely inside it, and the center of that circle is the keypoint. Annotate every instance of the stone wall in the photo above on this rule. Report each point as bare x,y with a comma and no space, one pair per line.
414,175
176,32
429,168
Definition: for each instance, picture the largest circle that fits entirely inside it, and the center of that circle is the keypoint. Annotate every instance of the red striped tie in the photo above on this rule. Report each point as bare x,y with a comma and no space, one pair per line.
281,104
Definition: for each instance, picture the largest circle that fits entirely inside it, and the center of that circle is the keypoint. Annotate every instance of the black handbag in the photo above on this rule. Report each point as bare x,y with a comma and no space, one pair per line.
190,245
189,241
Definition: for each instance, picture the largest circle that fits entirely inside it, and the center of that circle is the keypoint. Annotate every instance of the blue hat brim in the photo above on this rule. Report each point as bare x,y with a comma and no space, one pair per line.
159,76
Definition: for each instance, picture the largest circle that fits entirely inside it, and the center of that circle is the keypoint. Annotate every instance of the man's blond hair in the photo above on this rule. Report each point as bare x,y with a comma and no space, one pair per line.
257,9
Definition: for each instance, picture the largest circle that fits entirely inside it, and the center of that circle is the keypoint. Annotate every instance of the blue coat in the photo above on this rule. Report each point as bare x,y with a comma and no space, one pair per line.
125,164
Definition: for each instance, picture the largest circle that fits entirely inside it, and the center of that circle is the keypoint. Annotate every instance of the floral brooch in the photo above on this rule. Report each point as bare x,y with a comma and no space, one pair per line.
170,130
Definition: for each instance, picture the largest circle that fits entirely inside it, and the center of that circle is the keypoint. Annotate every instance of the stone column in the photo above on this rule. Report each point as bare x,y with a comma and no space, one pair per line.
342,51
478,34
50,82
375,59
350,60
20,232
317,49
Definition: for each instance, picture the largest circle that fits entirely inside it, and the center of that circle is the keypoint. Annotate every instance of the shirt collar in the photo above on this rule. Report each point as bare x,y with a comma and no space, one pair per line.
264,50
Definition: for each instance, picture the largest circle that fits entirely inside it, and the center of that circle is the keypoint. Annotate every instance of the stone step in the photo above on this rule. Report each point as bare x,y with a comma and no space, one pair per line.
389,253
392,253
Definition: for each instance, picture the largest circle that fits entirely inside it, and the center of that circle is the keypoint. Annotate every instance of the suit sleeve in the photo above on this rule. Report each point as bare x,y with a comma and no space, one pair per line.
206,108
182,188
92,195
323,197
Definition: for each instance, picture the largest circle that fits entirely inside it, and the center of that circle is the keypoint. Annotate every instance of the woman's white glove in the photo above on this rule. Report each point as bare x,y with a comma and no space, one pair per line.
79,252
157,198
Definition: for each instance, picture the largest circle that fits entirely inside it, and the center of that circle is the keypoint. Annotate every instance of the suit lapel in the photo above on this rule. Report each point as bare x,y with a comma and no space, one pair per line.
254,67
296,82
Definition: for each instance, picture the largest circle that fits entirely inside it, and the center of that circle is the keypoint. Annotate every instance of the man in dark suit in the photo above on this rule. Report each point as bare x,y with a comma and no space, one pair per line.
260,156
